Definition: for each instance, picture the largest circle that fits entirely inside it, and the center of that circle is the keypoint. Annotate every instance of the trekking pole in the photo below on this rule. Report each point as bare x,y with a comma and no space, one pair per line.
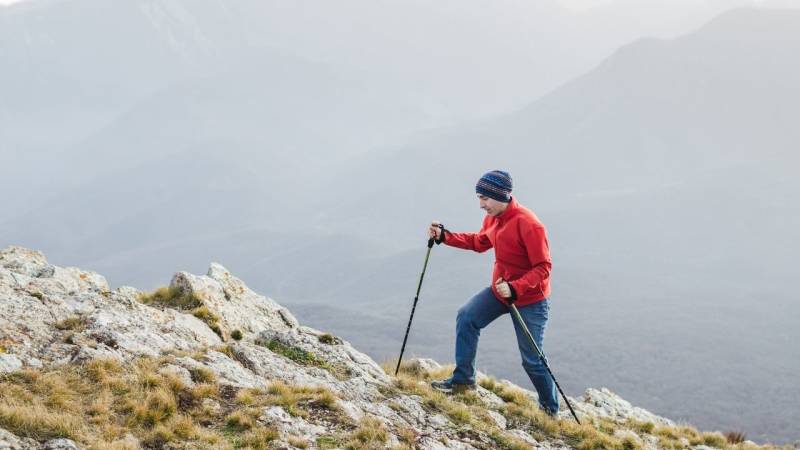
518,318
416,298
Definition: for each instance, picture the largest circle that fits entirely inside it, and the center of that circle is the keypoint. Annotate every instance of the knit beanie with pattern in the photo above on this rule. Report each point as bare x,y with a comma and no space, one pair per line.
495,184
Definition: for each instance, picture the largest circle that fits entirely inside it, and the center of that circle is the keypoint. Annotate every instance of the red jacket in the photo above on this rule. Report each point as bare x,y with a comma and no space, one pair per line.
522,254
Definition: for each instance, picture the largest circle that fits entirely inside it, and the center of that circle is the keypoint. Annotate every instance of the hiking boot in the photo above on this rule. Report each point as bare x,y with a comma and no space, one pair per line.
449,386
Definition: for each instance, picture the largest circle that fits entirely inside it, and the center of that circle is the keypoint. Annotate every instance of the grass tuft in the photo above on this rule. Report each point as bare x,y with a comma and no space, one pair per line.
209,318
202,375
258,438
370,434
74,323
172,297
297,441
735,437
329,339
37,421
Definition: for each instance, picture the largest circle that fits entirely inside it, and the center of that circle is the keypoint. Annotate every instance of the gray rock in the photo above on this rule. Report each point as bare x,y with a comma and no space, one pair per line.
23,261
423,366
524,437
35,363
605,403
289,425
181,372
9,441
9,363
438,421
60,444
499,419
226,370
36,296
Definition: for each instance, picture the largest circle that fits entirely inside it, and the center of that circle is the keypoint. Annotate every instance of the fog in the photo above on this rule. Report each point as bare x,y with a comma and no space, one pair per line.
305,145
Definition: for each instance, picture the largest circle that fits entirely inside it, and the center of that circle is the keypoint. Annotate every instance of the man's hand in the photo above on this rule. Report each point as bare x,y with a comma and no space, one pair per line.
434,231
503,288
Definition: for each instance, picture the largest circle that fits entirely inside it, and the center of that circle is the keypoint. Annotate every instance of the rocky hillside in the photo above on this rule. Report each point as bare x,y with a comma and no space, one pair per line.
208,363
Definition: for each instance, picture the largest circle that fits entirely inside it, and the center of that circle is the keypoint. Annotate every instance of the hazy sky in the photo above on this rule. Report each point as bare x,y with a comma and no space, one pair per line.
687,134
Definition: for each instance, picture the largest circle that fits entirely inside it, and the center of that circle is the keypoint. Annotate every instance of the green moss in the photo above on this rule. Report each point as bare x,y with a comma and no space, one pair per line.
327,442
306,358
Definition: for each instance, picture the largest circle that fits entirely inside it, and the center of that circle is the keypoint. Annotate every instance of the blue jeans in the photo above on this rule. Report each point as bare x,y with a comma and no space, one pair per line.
480,311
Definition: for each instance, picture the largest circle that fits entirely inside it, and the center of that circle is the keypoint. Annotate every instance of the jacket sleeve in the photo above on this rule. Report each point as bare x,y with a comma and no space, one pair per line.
478,242
538,250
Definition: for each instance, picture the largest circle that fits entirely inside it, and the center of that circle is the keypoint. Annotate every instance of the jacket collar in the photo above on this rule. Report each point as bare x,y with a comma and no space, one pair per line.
510,211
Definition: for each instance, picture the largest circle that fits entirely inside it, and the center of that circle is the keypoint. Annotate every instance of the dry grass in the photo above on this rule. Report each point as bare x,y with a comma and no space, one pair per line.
100,403
74,323
210,319
37,421
257,439
202,375
172,297
297,441
467,411
735,437
370,434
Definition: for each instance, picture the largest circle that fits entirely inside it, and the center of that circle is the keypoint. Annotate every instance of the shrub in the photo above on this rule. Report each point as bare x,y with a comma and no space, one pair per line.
236,335
329,339
735,437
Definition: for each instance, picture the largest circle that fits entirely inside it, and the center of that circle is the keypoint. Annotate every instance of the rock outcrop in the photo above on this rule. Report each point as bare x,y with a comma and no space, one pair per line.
246,345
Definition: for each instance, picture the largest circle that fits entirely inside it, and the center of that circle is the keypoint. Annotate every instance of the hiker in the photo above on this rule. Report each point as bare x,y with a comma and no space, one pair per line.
521,275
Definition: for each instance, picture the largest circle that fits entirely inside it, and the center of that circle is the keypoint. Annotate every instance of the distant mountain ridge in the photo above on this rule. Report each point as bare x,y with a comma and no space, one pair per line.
673,216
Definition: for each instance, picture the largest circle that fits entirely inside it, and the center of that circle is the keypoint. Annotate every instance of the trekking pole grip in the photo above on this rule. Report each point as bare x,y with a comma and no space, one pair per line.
433,239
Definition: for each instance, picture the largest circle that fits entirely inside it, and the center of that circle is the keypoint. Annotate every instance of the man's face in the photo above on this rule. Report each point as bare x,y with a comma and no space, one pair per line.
491,206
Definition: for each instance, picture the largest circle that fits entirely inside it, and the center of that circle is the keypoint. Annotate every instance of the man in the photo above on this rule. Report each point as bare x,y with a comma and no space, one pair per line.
521,275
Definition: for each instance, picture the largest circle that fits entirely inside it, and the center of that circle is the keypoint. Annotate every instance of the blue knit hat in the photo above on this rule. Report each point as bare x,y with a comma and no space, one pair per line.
495,184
